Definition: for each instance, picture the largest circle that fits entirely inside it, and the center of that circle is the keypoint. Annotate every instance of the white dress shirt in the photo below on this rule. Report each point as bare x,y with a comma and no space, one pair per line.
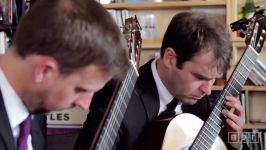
16,110
164,95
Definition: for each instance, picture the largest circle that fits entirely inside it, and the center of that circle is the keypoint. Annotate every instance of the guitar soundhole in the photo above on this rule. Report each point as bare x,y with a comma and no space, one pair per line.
185,148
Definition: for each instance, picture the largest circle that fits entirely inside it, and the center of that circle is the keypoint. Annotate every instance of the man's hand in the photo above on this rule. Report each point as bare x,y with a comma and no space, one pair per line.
234,119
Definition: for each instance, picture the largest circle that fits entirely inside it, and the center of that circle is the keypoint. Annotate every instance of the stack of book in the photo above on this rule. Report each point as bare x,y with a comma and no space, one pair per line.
119,16
258,74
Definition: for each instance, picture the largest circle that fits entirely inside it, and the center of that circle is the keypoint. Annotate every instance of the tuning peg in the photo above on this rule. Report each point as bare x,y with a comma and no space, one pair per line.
240,24
242,33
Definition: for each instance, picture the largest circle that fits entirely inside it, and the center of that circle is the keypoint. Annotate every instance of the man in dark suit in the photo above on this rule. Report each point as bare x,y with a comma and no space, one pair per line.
38,131
62,53
195,51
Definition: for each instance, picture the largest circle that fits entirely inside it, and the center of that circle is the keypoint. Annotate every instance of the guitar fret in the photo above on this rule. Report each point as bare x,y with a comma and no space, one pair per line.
227,92
209,140
234,92
237,86
128,93
217,118
246,68
216,110
107,140
243,79
103,145
250,60
236,81
220,104
214,122
116,113
195,145
210,130
105,136
200,143
204,139
112,131
233,87
240,73
118,116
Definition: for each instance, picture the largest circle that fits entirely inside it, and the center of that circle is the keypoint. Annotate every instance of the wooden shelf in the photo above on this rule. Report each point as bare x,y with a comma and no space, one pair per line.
254,88
245,88
217,87
151,44
164,5
147,44
238,40
254,126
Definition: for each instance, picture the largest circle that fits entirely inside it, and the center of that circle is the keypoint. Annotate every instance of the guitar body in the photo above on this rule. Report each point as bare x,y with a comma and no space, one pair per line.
182,131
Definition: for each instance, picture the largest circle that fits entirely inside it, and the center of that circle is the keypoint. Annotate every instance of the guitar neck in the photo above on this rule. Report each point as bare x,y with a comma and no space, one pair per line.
212,126
118,109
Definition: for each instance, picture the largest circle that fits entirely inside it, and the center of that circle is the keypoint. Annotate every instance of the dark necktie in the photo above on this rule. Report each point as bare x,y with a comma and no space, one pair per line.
25,128
170,110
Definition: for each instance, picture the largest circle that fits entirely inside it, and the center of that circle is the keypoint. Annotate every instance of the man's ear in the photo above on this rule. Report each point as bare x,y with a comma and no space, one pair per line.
43,69
169,57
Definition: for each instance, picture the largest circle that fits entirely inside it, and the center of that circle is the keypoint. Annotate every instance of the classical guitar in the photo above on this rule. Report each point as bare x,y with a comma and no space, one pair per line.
113,116
186,131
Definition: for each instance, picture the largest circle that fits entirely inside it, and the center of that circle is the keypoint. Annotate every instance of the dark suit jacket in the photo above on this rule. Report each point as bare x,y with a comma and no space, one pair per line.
38,130
142,109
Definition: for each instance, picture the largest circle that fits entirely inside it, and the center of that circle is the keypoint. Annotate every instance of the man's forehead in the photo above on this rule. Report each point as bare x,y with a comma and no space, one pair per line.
206,67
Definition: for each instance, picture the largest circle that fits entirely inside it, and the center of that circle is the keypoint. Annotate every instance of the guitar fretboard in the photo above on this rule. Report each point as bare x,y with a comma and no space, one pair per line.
212,127
116,115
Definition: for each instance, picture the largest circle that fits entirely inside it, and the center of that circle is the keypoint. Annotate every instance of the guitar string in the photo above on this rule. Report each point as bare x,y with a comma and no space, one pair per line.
119,102
114,123
104,137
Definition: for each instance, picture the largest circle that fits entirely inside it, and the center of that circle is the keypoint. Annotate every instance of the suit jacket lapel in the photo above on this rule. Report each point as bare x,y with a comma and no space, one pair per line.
5,128
149,95
38,132
148,91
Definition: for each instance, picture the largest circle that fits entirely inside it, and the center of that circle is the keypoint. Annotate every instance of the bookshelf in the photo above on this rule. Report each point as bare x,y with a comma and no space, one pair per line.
164,11
164,5
255,126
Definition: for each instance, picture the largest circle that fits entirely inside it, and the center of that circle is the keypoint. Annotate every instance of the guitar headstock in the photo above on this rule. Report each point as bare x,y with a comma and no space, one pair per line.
133,37
255,28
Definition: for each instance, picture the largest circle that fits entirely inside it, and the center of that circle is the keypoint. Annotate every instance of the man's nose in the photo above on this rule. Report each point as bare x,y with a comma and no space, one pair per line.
84,100
206,87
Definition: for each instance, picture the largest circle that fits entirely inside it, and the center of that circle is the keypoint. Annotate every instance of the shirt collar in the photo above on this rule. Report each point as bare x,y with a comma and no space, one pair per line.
164,95
16,110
